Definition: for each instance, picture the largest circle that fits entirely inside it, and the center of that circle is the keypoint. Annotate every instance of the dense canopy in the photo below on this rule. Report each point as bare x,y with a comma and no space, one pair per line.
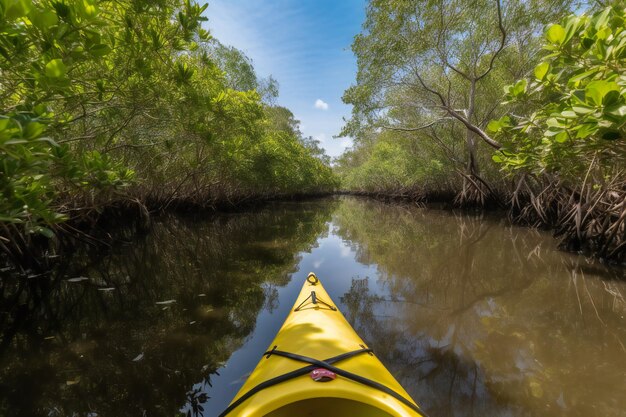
133,100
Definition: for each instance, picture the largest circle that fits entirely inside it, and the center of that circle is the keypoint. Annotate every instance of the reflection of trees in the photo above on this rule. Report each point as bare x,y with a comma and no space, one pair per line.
107,346
480,318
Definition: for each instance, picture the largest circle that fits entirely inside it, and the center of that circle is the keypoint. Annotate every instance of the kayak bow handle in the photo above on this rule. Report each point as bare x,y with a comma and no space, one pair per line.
316,301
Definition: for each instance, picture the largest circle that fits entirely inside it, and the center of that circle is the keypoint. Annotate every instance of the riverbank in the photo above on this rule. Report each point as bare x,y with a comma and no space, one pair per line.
584,223
588,220
101,225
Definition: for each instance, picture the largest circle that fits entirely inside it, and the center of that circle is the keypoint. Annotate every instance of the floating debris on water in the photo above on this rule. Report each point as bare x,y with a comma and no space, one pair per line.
73,381
78,279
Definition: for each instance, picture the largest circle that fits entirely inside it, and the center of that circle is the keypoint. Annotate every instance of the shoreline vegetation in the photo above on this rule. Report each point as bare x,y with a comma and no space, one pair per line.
133,106
484,103
120,111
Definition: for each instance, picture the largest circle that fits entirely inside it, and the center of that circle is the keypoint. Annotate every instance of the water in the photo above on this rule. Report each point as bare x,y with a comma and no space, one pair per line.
472,315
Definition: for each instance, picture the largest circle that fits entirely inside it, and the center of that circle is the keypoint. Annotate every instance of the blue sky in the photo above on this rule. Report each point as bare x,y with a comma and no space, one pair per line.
305,45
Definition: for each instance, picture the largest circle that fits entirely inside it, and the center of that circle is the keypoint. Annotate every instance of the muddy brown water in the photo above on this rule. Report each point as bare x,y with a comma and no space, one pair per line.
474,316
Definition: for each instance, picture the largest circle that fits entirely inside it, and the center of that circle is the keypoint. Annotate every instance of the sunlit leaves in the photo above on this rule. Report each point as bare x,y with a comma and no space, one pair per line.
578,99
14,9
96,96
184,72
597,91
517,90
556,34
421,65
55,68
43,19
541,70
504,122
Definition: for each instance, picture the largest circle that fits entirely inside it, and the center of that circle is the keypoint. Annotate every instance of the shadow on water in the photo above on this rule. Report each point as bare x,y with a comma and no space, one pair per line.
476,317
473,316
130,331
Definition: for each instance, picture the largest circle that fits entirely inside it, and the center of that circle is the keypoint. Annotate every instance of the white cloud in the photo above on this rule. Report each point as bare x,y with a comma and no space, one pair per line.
321,104
346,142
321,137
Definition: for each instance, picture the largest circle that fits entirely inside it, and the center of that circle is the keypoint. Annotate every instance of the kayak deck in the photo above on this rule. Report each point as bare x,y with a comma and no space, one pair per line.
315,330
316,407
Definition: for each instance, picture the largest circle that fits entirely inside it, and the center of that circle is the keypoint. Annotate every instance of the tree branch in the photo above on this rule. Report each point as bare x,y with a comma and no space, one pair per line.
502,43
413,129
470,126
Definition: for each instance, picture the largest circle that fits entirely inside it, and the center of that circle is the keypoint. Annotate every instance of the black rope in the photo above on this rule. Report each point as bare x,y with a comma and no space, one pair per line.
347,374
315,300
327,364
289,375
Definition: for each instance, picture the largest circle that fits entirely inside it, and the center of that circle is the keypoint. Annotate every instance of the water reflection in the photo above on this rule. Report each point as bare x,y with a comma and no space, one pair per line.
153,318
475,317
480,318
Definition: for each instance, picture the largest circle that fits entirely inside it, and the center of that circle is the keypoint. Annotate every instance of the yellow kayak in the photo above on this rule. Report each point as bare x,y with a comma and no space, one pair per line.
318,366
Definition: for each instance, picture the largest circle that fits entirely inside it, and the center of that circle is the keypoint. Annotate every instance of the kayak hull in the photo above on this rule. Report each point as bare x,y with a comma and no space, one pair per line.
315,328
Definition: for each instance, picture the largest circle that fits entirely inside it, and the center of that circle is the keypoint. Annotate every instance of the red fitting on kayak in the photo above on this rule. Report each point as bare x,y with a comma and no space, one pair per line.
322,375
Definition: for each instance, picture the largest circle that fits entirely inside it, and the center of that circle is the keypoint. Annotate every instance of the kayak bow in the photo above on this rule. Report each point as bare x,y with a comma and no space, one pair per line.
318,365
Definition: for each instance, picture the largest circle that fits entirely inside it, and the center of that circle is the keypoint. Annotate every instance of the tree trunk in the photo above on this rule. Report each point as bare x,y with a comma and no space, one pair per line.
470,139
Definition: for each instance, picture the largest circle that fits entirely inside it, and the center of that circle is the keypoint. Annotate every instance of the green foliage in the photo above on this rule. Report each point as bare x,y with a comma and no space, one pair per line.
40,43
391,164
576,103
431,73
105,100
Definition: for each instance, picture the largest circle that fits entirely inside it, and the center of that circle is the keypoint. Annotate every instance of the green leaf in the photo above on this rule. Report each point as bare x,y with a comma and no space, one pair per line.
86,9
99,50
596,90
45,232
569,114
572,26
586,130
494,126
583,110
55,68
4,123
15,142
561,137
541,70
47,140
603,18
583,75
603,33
556,34
550,133
17,8
43,19
554,122
499,124
40,109
616,110
519,89
33,130
611,98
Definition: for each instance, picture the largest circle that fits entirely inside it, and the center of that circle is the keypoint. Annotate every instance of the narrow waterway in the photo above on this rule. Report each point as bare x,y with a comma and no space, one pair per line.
474,316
